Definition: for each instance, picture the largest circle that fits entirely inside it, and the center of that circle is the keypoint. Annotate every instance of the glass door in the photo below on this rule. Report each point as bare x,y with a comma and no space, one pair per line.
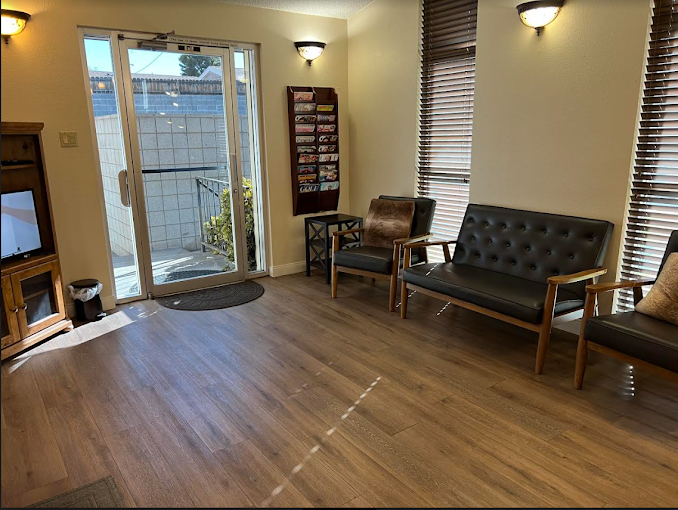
180,112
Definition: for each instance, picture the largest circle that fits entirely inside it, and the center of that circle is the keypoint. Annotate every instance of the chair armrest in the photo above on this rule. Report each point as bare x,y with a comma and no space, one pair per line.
409,246
605,287
345,232
406,240
576,277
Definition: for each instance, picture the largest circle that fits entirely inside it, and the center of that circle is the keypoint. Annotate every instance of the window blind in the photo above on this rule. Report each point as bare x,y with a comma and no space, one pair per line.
446,109
653,207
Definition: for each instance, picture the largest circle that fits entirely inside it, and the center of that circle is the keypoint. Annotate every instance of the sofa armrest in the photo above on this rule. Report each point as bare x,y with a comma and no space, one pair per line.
405,240
428,243
445,244
576,277
605,287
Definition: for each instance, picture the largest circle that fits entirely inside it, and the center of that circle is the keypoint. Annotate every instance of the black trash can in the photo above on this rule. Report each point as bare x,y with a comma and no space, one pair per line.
92,309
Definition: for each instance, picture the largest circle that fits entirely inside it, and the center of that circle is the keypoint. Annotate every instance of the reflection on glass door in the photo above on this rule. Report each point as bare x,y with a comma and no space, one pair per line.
249,158
113,165
184,133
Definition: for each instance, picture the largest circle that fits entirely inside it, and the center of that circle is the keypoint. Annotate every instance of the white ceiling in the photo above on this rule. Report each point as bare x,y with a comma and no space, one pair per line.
329,8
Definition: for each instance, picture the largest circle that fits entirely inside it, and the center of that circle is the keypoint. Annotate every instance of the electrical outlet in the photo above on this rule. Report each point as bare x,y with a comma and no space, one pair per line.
68,138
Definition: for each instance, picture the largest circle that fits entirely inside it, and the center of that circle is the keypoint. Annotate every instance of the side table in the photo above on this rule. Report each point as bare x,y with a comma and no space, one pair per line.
319,239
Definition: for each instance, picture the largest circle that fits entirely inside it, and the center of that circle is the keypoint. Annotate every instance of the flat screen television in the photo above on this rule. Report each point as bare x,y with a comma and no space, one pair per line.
20,231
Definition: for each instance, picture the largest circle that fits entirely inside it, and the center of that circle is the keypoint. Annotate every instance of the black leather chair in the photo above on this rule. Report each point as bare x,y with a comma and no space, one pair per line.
378,262
630,336
526,268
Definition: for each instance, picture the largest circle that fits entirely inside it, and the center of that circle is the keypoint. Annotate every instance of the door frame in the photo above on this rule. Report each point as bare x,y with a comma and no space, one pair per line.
227,49
126,44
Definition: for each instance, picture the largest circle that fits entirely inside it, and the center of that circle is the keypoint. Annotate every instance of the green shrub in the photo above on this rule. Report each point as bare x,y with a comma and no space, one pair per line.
219,229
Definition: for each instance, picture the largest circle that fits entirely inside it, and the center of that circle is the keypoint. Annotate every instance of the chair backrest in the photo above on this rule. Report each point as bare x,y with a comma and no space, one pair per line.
423,213
386,221
531,245
424,208
671,247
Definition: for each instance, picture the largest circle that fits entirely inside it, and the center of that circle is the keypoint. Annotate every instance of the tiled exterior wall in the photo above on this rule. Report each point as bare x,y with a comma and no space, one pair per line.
191,141
193,136
112,160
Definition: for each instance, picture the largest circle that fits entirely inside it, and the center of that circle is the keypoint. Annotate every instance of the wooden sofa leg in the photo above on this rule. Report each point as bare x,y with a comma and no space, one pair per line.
395,267
403,301
403,291
542,347
335,278
392,292
582,346
582,358
545,333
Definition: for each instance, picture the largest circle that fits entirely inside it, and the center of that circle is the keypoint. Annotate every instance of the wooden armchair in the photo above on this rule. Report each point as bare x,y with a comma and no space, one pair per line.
380,255
628,336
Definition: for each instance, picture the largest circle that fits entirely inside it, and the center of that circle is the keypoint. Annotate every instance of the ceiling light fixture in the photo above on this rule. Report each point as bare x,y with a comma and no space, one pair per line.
309,50
12,23
540,13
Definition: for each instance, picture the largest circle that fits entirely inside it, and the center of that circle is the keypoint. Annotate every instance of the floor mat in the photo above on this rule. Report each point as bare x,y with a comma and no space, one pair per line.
100,494
214,298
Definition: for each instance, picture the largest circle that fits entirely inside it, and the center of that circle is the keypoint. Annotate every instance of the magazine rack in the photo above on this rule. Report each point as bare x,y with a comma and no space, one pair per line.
314,148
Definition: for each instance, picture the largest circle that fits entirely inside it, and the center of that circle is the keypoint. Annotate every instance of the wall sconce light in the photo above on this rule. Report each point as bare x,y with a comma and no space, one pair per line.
12,23
540,13
309,50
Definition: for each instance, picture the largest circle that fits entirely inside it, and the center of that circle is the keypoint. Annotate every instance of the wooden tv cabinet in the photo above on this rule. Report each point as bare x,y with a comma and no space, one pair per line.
33,306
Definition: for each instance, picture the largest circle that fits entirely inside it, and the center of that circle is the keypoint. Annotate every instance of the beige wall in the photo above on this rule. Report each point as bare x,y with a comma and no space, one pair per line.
555,115
42,81
383,74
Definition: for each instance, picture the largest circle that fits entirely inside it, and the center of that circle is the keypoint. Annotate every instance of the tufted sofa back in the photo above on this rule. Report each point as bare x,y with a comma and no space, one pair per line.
531,245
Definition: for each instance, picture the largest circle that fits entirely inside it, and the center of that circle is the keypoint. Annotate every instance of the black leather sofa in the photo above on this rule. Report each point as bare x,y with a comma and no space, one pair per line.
630,336
523,267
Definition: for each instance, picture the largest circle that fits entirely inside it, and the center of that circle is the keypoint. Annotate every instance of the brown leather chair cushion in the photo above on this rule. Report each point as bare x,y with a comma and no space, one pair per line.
386,221
637,335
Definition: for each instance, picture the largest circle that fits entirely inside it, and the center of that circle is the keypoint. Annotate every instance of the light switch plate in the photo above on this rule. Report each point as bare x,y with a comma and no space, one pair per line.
68,138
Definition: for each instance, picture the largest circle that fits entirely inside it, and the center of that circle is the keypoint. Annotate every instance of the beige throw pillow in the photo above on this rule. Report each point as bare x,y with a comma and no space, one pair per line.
662,300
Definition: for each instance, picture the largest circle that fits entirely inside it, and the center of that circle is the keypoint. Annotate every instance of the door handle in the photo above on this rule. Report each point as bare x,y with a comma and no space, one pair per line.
232,169
124,189
16,309
24,307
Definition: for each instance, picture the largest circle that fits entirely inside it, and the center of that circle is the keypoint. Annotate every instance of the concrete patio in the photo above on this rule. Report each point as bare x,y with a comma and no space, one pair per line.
165,262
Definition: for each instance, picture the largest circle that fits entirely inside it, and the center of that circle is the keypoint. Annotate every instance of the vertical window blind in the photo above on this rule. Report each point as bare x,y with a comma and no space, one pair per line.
653,208
446,109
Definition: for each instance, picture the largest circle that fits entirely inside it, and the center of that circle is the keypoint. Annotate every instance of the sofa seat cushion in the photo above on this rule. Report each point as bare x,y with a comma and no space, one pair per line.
510,295
368,258
637,335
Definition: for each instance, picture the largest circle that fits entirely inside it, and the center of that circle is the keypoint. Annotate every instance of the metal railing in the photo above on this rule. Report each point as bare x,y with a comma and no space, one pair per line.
210,209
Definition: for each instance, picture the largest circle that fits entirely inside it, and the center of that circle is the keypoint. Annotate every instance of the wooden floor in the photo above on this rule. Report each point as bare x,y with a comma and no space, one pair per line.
267,404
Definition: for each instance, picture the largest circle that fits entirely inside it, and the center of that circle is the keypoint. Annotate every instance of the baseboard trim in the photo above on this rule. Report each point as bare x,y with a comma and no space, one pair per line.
285,269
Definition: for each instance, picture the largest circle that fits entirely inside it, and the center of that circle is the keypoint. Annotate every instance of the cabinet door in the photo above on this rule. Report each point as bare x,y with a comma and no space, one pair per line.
10,322
38,294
